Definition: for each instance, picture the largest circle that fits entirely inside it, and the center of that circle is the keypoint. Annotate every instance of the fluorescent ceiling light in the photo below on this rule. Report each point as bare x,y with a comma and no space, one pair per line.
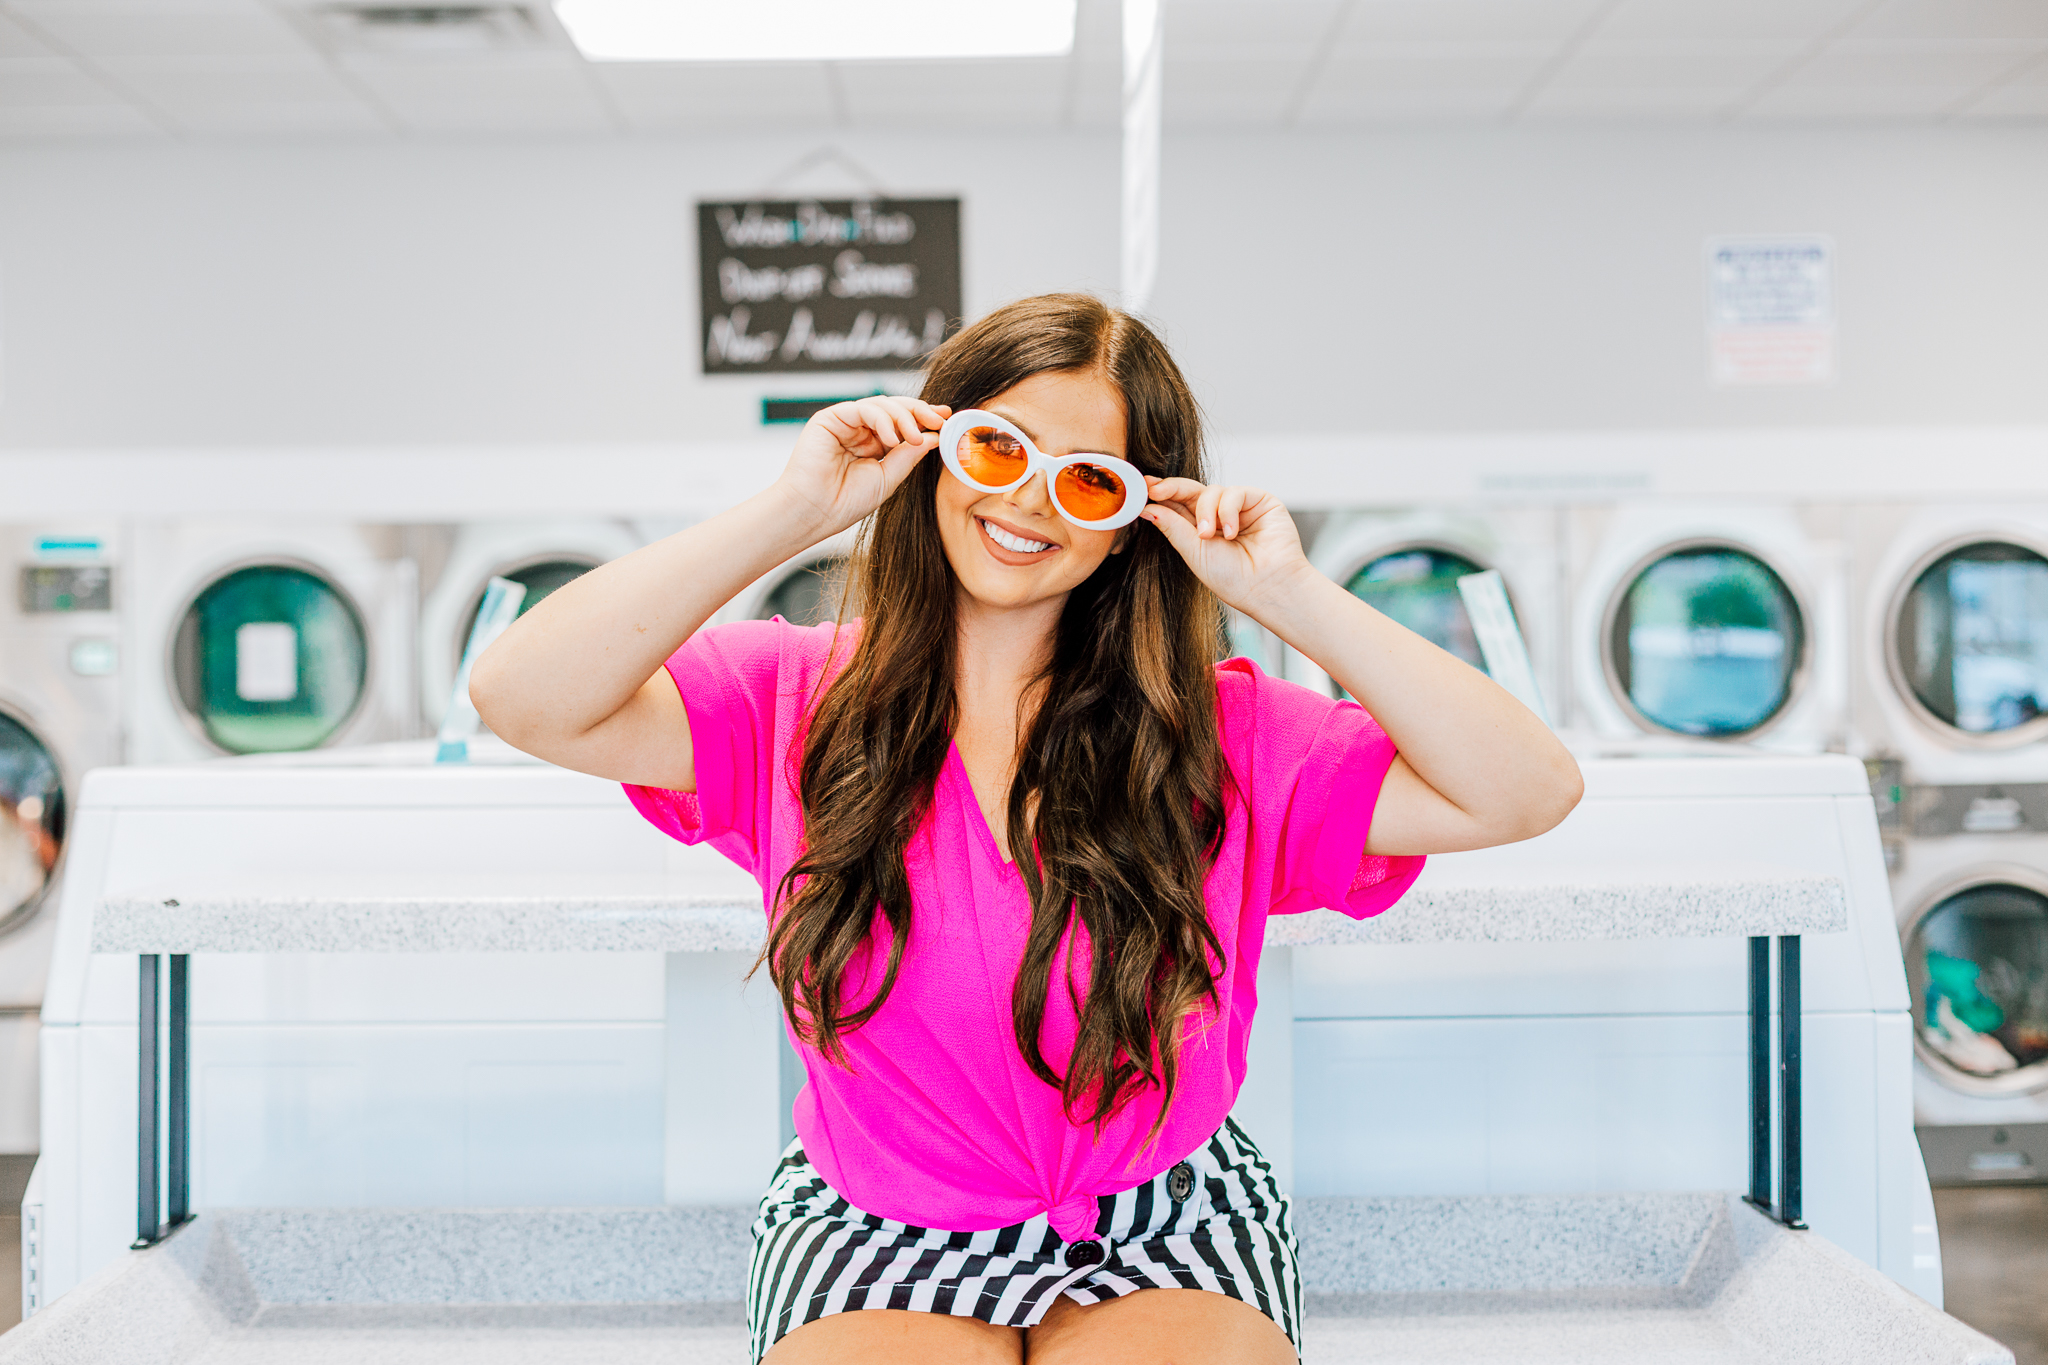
815,30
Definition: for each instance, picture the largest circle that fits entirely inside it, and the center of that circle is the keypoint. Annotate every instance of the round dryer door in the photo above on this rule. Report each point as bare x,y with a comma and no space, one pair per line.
270,658
31,820
1419,588
808,596
1705,640
1977,965
539,578
1970,641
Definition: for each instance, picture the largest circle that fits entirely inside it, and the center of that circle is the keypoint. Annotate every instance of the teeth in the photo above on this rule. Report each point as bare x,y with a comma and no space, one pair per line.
1010,542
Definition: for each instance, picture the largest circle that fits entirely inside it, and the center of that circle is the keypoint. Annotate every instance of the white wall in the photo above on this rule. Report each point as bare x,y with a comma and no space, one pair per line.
349,294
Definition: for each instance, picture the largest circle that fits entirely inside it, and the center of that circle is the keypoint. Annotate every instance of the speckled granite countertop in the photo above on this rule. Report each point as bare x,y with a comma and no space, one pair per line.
1493,1280
682,917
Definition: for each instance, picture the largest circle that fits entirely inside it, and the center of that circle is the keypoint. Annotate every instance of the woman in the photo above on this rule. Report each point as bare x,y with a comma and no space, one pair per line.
1019,836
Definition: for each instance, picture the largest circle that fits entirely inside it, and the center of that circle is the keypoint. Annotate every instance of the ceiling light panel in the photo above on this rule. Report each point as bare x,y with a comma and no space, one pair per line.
815,30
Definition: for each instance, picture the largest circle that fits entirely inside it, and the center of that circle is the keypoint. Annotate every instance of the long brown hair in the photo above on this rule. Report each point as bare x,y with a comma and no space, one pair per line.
1117,804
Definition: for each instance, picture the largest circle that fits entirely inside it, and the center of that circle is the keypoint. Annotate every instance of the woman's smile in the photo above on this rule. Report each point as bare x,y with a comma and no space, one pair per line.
1011,545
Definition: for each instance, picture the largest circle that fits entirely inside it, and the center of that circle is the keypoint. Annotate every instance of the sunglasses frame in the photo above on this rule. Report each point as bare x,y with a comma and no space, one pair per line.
1135,493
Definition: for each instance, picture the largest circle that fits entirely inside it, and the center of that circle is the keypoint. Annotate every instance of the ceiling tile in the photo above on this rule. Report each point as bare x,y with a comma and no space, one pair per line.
1384,21
30,81
540,92
1605,64
1365,105
1021,93
1958,66
1852,104
1247,93
1728,20
74,120
278,96
2022,95
690,96
1641,103
17,42
1229,29
2010,103
1437,67
1984,20
172,28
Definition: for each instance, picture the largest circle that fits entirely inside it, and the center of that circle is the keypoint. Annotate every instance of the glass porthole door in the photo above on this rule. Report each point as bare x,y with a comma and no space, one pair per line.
1706,640
807,596
31,819
1419,588
270,658
1970,640
539,578
1977,964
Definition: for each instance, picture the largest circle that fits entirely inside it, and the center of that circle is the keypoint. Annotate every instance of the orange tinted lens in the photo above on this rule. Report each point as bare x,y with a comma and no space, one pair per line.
1090,492
992,456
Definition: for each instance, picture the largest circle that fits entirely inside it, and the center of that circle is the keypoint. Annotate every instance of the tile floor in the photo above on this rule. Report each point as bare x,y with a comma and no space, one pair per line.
1994,1263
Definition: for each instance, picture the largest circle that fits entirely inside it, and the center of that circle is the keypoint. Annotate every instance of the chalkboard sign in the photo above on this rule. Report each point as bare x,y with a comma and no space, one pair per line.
826,284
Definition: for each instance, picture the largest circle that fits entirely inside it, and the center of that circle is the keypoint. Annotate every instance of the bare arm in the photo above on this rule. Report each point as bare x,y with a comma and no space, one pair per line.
579,679
1476,767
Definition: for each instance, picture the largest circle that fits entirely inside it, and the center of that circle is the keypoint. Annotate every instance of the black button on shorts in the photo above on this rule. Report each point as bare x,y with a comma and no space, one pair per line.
1082,1254
1180,1182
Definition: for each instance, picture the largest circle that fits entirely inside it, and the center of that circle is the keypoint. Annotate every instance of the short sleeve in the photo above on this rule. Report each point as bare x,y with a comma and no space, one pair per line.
729,678
1316,769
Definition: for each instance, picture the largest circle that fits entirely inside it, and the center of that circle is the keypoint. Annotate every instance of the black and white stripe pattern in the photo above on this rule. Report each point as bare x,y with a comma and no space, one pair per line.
1232,1233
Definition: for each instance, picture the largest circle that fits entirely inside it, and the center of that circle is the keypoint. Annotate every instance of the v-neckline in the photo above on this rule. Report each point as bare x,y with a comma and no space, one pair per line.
979,817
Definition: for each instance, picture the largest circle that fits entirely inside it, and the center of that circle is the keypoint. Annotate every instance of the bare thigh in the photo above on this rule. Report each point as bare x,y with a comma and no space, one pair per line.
1158,1327
891,1336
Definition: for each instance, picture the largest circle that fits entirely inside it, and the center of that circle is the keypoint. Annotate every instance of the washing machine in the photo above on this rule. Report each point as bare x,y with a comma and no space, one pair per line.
1950,713
539,555
1723,622
268,636
1407,563
60,714
804,589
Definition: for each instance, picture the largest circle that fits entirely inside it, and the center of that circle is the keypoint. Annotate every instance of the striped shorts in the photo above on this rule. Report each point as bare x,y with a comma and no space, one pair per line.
1216,1221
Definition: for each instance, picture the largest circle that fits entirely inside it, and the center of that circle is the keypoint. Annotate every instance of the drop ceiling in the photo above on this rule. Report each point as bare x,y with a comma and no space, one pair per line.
282,68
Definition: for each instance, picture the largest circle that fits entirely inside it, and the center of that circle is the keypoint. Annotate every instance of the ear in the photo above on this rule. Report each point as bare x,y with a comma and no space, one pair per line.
1123,538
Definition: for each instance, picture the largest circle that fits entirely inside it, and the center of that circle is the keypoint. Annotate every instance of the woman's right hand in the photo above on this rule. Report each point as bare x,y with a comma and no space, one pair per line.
852,455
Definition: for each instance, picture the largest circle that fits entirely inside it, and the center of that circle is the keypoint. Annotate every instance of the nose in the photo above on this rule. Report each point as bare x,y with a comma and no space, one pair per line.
1035,497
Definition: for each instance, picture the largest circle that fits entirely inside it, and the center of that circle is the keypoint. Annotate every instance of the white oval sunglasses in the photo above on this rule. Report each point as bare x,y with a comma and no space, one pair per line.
1095,492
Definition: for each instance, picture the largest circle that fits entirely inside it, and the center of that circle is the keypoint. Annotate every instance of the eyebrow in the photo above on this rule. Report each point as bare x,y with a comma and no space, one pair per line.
1034,436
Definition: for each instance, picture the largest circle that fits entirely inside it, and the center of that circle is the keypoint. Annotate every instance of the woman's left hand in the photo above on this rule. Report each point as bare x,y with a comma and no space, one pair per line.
1239,541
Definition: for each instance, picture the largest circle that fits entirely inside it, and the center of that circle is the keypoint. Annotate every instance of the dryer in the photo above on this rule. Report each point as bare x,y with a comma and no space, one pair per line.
539,555
1724,622
1951,713
59,716
803,590
268,636
1407,563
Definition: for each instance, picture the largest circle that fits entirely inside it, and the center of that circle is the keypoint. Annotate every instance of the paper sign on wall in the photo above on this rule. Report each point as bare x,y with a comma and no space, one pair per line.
1771,310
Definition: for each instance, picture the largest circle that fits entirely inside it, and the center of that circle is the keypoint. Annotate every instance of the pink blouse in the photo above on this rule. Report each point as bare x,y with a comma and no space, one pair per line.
937,1122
